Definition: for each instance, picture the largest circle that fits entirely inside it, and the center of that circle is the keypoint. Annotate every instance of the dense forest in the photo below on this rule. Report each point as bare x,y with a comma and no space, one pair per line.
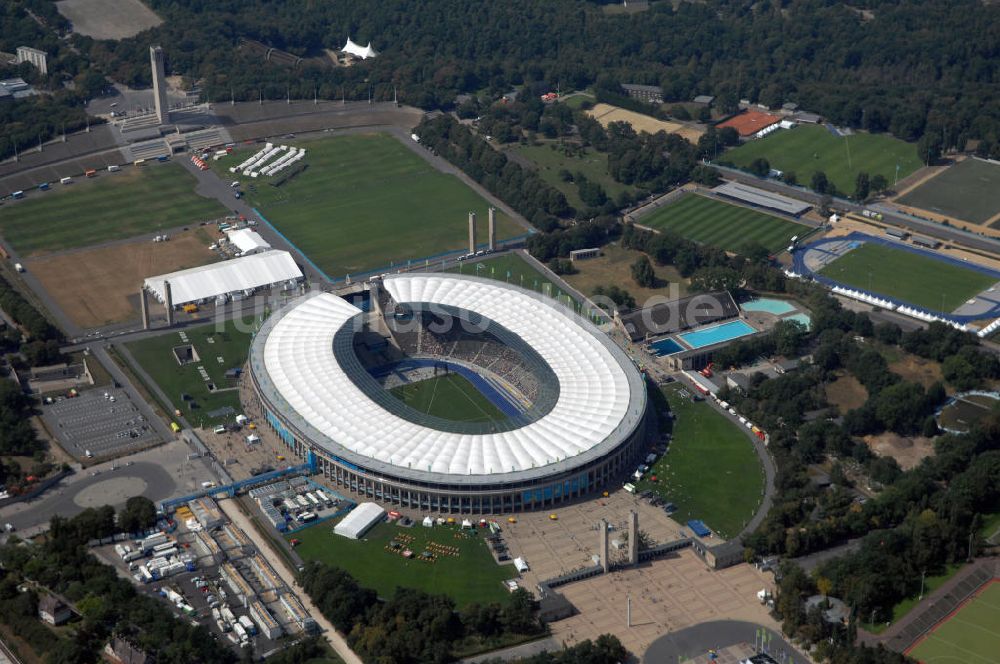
885,65
912,67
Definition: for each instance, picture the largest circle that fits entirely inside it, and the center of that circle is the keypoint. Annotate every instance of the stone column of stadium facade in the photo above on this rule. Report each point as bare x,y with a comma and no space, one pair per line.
492,239
633,537
168,302
603,544
472,232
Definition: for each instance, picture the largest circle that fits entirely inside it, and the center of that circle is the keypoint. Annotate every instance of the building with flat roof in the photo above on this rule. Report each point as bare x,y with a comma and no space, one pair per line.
678,315
762,199
651,94
39,59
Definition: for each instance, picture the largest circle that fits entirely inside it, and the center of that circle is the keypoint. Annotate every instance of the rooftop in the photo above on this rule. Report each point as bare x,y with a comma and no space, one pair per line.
749,122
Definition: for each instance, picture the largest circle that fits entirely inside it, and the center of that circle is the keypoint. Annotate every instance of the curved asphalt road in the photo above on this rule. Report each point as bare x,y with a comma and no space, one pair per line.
698,639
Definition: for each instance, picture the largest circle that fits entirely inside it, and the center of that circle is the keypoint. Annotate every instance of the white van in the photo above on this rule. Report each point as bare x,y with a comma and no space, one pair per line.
628,486
65,180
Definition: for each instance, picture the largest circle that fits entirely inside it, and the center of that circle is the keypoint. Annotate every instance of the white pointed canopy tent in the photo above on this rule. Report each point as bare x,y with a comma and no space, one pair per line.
363,52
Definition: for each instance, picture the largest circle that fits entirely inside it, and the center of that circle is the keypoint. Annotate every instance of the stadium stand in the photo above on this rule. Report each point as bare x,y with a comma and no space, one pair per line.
682,314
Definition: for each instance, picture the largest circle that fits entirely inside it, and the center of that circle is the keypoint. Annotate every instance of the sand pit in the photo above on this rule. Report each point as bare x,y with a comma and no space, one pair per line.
606,114
100,286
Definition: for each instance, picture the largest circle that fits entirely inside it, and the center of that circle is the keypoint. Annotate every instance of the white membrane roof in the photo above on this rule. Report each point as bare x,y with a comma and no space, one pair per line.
595,385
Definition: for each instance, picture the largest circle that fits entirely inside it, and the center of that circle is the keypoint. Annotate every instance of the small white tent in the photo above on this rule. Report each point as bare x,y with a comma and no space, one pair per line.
363,52
428,522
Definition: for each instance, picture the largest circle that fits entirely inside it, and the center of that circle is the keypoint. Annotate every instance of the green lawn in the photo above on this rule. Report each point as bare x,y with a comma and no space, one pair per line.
156,357
112,206
472,576
726,226
367,201
965,191
576,102
451,397
913,278
711,471
969,636
810,148
550,159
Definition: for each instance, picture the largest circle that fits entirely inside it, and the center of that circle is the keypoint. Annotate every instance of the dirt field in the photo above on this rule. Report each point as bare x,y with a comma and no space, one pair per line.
108,19
917,369
908,452
100,286
613,267
846,393
606,114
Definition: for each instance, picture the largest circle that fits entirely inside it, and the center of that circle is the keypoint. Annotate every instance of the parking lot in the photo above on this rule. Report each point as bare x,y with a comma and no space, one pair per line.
103,422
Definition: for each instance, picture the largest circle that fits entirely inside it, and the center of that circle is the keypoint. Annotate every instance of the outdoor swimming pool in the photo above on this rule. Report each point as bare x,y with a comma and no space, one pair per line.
802,318
666,347
768,305
717,334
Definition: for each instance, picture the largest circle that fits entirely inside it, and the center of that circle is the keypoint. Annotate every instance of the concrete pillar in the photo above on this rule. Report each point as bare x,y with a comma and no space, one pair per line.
472,232
159,84
168,301
633,537
144,305
603,544
493,229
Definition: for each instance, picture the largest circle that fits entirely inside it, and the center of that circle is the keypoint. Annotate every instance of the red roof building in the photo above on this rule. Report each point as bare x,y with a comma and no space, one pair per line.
749,122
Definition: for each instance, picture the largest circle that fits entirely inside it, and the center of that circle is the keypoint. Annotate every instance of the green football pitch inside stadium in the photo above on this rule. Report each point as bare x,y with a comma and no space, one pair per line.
810,148
468,575
155,355
965,191
450,397
970,636
110,206
904,275
711,471
365,202
726,226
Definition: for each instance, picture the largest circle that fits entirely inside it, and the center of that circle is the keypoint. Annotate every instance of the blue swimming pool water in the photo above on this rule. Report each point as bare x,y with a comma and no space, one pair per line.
768,305
717,334
802,318
666,347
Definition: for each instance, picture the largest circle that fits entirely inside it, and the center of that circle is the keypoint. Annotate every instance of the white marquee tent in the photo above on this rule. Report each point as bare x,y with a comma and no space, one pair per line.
237,275
248,241
363,52
361,518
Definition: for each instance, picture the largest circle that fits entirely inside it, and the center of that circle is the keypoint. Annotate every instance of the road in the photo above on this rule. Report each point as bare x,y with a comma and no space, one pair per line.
336,640
889,214
697,640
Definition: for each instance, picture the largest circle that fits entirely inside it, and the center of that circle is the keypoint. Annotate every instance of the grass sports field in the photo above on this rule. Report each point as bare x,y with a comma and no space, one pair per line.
451,397
913,278
509,268
965,191
970,636
810,148
729,227
593,164
471,576
711,471
112,206
366,201
155,355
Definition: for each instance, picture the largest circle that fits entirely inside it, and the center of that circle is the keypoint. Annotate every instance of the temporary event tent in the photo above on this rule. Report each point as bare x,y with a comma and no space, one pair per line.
363,52
357,523
428,522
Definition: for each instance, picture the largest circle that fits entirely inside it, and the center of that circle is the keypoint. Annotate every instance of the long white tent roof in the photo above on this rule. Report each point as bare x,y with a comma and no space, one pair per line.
238,274
248,241
361,518
593,404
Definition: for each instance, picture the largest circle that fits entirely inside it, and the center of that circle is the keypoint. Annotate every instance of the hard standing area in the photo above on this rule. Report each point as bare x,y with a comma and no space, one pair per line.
365,202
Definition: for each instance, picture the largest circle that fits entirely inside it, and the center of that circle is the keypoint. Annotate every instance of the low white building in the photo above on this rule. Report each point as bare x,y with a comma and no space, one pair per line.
248,241
233,278
359,521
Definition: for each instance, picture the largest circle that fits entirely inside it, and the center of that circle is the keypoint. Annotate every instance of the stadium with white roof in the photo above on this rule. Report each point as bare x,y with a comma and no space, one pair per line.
574,403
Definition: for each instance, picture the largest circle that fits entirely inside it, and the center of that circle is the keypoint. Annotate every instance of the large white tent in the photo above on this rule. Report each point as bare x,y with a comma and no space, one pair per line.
238,275
358,51
248,241
361,518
